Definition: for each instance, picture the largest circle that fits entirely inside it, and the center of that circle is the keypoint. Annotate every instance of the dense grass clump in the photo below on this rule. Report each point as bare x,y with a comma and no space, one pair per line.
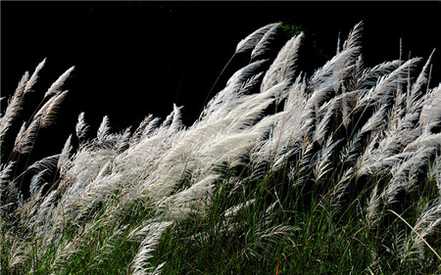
283,173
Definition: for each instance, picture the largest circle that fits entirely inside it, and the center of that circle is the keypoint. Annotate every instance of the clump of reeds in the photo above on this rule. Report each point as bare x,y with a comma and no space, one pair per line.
278,164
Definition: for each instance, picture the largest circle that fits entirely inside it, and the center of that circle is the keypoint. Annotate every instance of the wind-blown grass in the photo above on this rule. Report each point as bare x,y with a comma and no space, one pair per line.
282,173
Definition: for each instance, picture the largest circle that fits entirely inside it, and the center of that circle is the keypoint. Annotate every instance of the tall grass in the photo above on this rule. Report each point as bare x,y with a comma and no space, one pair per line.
283,173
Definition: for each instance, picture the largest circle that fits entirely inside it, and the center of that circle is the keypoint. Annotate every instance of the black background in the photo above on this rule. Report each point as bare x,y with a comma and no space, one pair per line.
135,58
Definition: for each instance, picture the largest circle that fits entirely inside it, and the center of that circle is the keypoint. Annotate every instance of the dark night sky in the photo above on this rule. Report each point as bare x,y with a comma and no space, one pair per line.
135,58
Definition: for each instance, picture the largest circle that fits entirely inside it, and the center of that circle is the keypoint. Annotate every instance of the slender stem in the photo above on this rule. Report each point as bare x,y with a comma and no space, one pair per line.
414,231
210,92
429,78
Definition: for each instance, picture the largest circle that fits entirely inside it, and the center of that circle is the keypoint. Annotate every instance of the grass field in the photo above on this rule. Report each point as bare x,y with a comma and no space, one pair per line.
283,173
